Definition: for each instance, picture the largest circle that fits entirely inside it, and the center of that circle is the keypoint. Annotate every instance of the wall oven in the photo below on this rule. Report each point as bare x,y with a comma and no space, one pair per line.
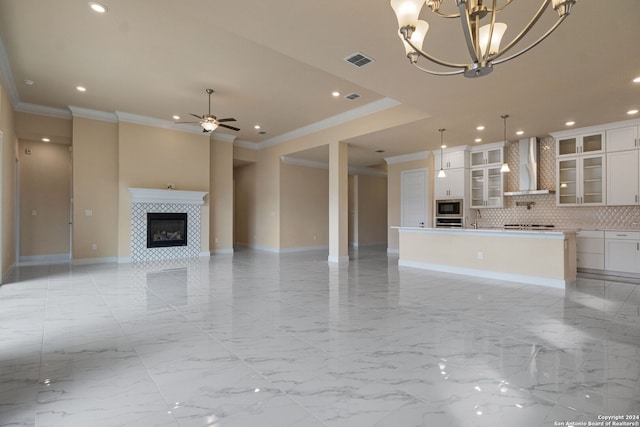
452,208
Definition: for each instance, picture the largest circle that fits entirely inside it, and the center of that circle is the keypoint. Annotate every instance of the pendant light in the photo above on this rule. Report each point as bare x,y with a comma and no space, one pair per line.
505,165
441,174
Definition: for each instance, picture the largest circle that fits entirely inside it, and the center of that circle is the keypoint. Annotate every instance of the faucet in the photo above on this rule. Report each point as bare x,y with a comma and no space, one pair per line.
478,216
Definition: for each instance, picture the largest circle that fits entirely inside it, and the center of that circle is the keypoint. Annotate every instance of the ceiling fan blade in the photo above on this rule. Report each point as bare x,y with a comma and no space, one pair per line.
228,127
197,116
230,119
184,122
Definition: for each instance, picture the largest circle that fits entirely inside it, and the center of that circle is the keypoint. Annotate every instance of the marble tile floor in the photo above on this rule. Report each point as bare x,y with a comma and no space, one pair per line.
263,339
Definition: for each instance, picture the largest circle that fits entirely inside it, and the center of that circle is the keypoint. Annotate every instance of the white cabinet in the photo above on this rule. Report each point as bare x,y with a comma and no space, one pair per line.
590,249
623,178
487,182
590,143
452,158
487,188
581,180
452,186
621,139
622,251
487,155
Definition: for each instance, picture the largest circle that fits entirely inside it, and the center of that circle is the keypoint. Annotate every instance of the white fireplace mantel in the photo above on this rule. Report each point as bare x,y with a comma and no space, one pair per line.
180,197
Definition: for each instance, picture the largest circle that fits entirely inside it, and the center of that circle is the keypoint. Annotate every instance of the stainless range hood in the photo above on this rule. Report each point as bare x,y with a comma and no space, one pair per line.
528,169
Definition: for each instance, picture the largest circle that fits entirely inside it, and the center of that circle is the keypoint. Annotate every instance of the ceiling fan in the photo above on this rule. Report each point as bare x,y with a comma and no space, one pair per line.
210,122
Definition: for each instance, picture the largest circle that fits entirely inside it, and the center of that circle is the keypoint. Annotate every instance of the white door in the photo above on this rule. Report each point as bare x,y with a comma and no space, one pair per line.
414,198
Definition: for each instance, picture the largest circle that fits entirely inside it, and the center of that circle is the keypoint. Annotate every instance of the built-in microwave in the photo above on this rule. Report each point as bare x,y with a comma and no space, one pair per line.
449,208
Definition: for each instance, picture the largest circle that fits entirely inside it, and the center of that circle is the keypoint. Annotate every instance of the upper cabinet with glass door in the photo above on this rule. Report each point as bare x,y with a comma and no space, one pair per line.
487,154
592,143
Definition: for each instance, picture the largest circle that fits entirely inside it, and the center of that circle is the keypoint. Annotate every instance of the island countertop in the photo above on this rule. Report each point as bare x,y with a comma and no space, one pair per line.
541,257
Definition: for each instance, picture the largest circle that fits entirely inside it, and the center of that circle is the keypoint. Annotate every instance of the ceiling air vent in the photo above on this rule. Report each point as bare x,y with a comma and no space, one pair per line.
352,96
358,59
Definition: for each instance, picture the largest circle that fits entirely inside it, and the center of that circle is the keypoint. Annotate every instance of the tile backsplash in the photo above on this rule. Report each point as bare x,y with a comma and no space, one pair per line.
545,211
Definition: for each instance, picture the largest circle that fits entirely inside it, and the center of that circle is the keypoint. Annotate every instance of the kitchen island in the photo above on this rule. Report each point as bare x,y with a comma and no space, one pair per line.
536,257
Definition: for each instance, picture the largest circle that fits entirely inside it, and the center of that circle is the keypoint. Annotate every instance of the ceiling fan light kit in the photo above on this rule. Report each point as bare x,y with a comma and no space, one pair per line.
209,122
482,33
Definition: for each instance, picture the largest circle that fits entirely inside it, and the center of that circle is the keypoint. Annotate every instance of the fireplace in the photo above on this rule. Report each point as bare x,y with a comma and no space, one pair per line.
166,229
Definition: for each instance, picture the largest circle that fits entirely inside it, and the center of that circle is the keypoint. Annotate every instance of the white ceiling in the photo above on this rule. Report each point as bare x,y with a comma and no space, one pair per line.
275,63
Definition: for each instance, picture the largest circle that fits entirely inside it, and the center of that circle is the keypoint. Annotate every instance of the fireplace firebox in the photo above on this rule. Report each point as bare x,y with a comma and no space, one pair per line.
166,229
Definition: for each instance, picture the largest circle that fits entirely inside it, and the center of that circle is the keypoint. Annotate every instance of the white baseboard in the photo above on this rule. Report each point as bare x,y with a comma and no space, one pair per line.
338,259
87,261
393,251
289,250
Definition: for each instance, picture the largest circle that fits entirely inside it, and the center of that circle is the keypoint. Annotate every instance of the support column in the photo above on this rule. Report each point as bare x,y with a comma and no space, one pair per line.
338,202
221,197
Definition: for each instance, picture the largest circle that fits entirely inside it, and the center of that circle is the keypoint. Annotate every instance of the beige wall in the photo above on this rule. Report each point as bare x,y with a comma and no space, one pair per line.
45,198
95,188
245,216
394,186
304,207
7,199
372,210
268,172
151,157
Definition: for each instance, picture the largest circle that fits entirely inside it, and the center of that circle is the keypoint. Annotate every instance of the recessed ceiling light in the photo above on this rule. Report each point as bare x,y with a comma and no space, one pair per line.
256,127
570,123
176,117
335,94
632,112
478,140
636,80
520,132
81,88
29,82
45,139
480,128
97,7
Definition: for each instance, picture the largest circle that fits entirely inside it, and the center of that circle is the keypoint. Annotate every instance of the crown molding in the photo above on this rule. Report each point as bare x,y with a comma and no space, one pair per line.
222,137
87,113
353,170
150,121
246,144
365,110
7,76
41,110
421,155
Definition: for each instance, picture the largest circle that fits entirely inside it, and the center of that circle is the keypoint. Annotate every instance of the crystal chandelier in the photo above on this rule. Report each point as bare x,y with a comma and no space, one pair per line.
482,32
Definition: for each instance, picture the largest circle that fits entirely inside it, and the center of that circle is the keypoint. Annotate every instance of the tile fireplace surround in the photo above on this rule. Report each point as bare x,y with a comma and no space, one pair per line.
146,200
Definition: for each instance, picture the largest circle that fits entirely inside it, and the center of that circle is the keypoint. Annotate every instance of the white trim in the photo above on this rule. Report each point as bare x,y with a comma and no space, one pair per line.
41,110
373,107
393,251
44,259
180,197
222,137
531,280
247,144
353,170
264,248
593,129
407,157
105,260
87,113
165,124
125,260
338,259
7,76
